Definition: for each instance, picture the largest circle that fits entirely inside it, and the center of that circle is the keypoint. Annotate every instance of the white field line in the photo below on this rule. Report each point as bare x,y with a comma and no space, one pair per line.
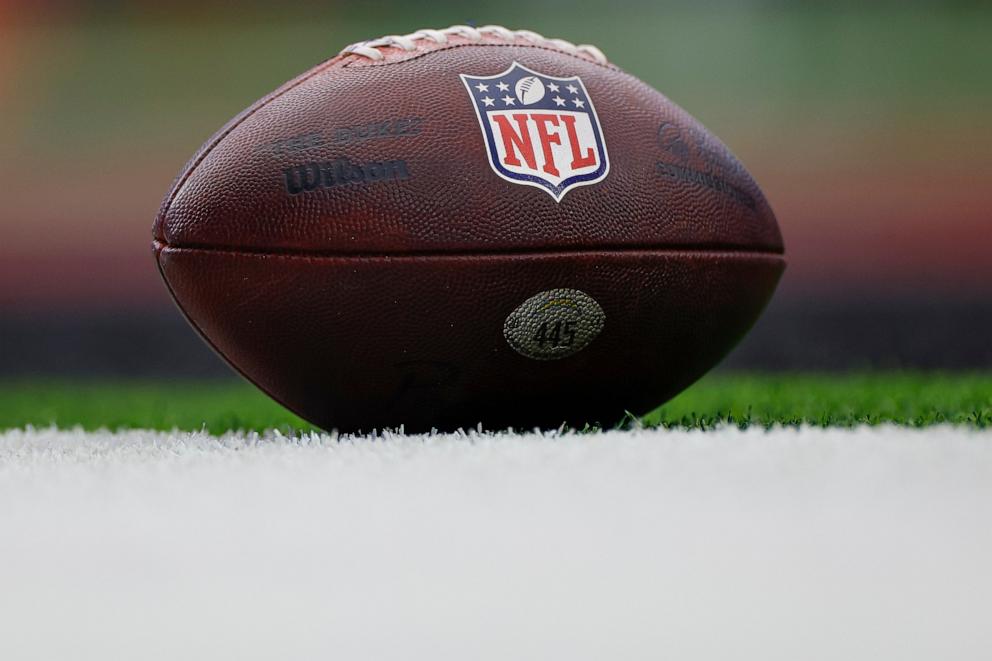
873,543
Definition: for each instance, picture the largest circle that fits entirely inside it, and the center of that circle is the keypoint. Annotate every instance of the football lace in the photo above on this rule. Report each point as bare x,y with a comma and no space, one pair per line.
408,42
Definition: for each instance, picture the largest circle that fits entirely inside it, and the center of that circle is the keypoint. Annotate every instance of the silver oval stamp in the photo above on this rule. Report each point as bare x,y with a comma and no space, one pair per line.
554,324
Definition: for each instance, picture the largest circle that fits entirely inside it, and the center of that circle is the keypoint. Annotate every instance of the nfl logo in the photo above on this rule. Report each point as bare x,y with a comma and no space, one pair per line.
539,130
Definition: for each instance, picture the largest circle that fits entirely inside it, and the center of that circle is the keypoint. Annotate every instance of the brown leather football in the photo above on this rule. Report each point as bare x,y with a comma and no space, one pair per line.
467,226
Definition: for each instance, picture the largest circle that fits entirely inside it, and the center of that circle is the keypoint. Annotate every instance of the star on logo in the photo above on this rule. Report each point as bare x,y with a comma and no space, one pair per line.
502,86
578,103
573,89
558,101
482,88
509,100
488,101
552,87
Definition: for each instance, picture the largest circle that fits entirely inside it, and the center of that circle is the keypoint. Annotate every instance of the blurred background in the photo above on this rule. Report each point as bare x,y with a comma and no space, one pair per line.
868,124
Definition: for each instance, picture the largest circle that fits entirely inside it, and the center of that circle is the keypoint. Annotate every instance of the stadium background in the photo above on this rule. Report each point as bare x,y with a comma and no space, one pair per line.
867,125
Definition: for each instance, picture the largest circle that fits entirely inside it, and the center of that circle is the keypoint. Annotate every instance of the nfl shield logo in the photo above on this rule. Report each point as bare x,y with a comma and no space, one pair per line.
539,130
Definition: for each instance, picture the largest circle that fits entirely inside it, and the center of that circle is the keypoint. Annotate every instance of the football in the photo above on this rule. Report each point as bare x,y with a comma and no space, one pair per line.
463,227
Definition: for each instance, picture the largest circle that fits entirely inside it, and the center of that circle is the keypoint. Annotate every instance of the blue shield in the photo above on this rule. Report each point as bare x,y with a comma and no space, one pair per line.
539,130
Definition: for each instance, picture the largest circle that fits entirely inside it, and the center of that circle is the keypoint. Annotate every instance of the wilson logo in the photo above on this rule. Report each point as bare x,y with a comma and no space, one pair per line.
341,172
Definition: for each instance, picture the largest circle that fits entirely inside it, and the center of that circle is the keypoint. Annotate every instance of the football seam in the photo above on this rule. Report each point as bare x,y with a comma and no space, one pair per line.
689,250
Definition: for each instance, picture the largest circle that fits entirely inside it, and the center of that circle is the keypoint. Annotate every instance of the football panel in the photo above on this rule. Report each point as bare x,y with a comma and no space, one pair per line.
354,343
366,157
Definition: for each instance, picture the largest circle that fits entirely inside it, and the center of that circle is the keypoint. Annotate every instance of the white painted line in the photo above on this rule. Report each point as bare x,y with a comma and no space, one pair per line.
791,544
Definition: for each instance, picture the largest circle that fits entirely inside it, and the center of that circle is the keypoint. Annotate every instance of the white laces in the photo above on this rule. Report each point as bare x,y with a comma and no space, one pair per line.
408,42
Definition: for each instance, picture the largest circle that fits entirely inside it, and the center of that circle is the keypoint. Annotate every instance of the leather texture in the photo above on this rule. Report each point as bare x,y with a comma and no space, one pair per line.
381,302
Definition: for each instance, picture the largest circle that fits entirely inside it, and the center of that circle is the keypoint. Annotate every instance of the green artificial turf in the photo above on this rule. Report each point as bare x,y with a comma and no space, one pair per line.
831,400
216,406
911,399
